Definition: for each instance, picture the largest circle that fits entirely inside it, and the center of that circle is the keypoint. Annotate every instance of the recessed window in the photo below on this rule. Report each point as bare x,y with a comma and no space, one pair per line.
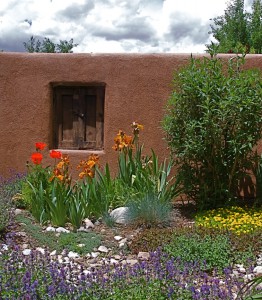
79,117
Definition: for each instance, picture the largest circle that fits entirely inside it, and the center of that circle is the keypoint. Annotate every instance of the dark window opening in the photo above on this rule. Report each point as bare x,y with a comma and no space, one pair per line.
79,117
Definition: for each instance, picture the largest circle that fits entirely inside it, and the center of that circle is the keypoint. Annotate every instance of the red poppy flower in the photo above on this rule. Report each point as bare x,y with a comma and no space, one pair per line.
40,146
36,158
55,154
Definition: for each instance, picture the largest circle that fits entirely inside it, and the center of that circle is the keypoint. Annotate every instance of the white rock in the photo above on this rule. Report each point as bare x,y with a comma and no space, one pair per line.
88,223
258,270
118,257
123,241
122,245
53,253
118,237
27,252
94,254
66,260
50,228
102,249
72,254
81,245
4,247
41,250
113,261
248,277
242,270
83,229
87,272
18,211
120,215
131,261
62,229
143,255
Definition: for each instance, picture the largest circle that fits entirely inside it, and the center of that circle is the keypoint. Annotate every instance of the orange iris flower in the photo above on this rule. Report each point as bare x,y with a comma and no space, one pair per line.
40,146
36,158
55,154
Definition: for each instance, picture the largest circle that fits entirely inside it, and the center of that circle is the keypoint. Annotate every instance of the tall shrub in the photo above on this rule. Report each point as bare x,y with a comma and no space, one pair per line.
212,122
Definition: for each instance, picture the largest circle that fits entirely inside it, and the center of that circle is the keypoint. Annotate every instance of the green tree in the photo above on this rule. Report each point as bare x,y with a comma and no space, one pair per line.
47,46
256,26
238,31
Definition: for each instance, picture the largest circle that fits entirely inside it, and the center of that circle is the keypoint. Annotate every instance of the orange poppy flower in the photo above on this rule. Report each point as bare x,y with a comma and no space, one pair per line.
55,154
40,146
36,158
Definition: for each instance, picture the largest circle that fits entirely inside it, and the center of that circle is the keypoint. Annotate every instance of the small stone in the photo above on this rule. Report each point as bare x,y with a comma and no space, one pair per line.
50,228
88,223
118,237
143,255
102,230
123,241
18,211
41,250
131,261
248,277
72,254
122,245
242,270
62,229
27,252
94,254
103,249
25,246
4,247
53,253
118,257
113,261
81,245
258,270
97,223
83,229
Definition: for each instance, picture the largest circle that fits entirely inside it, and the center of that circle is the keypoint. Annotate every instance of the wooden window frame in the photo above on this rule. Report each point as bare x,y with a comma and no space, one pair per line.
79,117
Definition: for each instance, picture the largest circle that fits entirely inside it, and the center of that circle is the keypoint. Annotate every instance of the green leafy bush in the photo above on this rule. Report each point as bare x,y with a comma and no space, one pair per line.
213,121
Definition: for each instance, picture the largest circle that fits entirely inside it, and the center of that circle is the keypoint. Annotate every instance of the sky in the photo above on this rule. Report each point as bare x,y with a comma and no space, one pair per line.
111,26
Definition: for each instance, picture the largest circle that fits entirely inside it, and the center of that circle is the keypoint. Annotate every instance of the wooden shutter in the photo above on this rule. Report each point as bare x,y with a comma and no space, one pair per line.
79,117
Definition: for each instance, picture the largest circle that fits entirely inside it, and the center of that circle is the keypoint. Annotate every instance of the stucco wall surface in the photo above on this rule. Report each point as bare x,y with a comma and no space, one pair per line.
137,89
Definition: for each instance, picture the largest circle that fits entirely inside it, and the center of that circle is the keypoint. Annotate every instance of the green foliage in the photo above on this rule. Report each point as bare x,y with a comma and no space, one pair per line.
213,249
252,286
57,203
210,251
80,242
65,241
212,123
238,31
48,46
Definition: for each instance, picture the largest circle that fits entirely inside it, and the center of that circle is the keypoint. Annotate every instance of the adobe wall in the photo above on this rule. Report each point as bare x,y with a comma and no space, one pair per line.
137,89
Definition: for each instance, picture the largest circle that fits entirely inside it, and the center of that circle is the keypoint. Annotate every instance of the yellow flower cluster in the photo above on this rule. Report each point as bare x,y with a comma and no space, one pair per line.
88,166
236,219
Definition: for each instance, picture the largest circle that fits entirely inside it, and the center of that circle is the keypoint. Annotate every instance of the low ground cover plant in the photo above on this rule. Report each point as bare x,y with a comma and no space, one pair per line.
234,218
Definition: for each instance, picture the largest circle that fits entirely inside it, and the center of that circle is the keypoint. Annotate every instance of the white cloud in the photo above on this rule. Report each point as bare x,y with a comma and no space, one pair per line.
110,25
